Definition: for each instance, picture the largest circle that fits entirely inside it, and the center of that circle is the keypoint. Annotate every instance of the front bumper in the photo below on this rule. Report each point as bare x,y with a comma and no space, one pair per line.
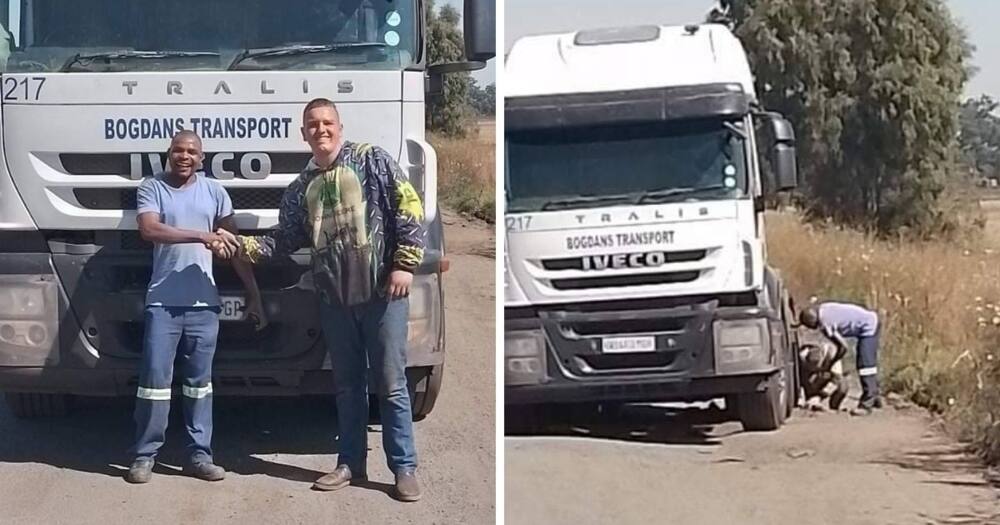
625,391
89,302
690,351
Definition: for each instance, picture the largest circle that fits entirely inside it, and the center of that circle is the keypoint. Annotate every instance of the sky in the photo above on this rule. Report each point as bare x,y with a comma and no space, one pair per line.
526,17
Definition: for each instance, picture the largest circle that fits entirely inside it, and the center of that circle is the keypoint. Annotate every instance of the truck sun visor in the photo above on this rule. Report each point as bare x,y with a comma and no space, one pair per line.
626,107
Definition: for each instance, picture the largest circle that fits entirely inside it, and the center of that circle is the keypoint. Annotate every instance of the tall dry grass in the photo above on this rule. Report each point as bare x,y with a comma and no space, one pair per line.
466,173
939,304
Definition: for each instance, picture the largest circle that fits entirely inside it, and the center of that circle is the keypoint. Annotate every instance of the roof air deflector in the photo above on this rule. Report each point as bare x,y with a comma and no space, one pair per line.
617,35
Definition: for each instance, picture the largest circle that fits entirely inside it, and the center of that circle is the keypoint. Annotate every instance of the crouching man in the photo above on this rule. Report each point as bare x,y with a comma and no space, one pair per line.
822,376
841,320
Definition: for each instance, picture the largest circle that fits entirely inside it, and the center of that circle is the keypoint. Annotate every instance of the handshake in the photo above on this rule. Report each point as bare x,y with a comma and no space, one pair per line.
224,244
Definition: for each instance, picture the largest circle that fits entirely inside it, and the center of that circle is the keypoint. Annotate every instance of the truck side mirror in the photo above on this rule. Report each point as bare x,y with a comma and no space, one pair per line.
434,84
784,173
480,29
479,33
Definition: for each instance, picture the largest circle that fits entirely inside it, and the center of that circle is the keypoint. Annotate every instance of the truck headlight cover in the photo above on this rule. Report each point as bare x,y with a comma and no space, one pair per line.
425,312
524,358
742,346
22,302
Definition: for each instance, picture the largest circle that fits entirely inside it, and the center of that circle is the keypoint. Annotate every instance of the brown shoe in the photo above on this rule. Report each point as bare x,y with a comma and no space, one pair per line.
407,486
336,480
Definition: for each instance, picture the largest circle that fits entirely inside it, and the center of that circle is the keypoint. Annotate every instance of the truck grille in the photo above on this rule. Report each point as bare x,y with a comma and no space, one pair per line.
638,361
625,326
679,333
641,279
127,240
272,277
132,240
576,263
125,198
119,163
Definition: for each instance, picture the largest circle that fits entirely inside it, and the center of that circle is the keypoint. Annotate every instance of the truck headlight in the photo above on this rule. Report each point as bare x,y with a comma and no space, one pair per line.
524,358
425,313
742,346
21,301
29,311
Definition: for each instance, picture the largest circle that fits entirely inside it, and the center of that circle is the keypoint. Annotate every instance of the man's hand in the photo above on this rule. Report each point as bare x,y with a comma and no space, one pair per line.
223,244
254,312
841,348
399,284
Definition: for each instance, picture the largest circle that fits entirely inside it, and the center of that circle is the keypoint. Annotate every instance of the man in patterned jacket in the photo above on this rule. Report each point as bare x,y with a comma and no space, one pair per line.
355,209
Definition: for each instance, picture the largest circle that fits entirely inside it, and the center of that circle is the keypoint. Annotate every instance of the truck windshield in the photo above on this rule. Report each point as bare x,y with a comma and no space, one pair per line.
175,35
616,165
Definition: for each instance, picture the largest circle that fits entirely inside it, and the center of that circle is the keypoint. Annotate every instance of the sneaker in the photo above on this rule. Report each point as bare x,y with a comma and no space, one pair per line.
338,479
206,470
407,486
140,471
861,411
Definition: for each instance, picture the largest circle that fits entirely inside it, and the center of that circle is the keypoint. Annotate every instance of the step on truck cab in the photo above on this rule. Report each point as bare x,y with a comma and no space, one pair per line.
90,95
635,262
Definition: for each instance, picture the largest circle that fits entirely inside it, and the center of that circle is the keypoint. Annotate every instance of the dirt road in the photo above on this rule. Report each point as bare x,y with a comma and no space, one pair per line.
69,470
660,467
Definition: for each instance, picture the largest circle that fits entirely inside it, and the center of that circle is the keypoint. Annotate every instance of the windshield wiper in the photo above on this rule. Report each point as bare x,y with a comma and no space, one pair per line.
125,55
584,200
655,195
298,49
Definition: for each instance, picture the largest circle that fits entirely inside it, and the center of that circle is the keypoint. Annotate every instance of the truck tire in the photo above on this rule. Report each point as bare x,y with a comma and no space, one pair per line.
791,388
423,402
793,384
31,405
765,411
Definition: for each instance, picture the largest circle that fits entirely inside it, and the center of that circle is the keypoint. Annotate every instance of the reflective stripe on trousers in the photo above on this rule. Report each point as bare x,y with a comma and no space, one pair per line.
191,332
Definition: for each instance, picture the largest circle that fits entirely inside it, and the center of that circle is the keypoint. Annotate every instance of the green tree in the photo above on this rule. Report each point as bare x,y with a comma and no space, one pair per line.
449,112
872,88
979,136
483,99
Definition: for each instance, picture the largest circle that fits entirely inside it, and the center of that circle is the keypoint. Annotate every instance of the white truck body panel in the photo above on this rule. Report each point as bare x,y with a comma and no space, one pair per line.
78,107
721,228
555,65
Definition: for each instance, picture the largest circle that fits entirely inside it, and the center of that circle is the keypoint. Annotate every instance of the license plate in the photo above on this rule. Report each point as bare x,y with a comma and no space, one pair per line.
232,308
622,345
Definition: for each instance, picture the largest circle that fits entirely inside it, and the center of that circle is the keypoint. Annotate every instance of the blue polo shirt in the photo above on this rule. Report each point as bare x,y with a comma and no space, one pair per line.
182,273
848,320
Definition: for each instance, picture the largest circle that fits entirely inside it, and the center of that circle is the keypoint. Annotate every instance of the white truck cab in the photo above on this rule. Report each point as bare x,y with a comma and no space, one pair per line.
635,264
91,93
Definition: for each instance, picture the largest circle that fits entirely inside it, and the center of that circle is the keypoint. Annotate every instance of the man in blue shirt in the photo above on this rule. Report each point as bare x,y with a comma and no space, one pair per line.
841,320
179,211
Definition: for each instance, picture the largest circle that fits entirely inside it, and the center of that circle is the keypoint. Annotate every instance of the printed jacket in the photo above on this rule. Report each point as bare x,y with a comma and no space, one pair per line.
361,218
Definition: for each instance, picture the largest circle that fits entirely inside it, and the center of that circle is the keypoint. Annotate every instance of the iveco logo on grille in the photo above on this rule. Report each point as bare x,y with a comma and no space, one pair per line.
222,166
624,260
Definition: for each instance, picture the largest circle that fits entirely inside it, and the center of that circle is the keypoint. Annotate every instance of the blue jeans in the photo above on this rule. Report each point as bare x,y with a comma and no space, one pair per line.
868,369
370,336
196,330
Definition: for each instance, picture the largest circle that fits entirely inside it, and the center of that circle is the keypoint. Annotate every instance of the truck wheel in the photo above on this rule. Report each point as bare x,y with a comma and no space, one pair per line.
765,411
792,340
31,405
791,389
423,402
